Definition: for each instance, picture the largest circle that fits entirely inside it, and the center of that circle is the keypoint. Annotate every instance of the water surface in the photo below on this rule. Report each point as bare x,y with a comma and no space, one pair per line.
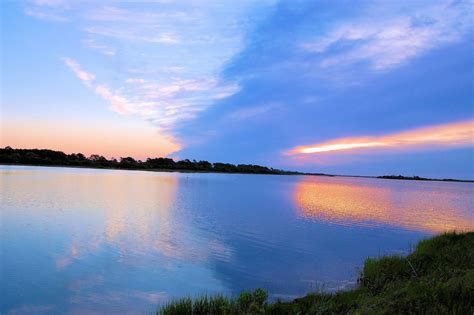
101,241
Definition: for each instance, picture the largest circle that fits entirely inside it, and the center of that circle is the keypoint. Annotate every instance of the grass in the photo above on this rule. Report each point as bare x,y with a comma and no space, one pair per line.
436,278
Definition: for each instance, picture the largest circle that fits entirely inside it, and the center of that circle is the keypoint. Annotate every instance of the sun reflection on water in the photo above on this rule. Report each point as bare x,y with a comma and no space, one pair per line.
430,207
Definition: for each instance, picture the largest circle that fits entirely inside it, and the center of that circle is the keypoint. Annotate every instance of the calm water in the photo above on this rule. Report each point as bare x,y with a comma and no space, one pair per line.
85,241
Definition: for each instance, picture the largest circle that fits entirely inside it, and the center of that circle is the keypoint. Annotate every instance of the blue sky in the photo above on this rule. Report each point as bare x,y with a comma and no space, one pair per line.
366,87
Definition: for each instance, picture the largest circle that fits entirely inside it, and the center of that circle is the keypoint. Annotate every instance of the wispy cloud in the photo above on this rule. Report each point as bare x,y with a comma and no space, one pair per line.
385,42
133,35
49,2
48,10
117,102
459,134
116,14
202,36
46,15
251,112
167,56
135,80
84,76
102,48
162,104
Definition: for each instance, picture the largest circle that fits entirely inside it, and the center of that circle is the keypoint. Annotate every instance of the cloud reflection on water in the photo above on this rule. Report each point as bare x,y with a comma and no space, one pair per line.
106,240
108,228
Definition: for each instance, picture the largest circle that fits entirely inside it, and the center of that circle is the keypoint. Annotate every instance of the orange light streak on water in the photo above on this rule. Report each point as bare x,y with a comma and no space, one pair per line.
412,205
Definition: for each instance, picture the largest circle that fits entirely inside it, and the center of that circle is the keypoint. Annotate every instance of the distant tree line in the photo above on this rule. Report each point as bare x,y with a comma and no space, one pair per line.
401,177
47,157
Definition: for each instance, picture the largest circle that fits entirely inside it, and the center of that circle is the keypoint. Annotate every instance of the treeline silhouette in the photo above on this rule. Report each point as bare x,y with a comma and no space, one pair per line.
45,157
401,177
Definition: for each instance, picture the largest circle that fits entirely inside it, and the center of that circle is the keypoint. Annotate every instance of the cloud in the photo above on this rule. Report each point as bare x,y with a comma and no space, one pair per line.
251,112
117,103
226,91
178,100
101,48
44,15
459,134
48,2
173,69
172,82
116,14
135,35
135,80
49,10
385,42
84,76
164,105
168,59
168,38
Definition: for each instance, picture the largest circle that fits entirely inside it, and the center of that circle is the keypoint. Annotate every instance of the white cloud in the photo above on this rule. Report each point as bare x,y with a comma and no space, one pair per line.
168,38
163,104
46,15
84,76
226,91
101,48
48,2
116,14
133,35
168,56
117,103
135,80
390,41
179,100
173,69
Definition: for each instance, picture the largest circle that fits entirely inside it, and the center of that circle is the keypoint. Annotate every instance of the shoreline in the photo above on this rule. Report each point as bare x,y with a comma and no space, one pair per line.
437,277
165,170
383,177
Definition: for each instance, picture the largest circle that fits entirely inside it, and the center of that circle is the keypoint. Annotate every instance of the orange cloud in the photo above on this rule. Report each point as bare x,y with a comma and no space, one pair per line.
446,135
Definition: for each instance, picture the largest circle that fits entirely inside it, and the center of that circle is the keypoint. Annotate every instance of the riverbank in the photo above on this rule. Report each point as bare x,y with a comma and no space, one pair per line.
163,170
436,278
51,158
46,157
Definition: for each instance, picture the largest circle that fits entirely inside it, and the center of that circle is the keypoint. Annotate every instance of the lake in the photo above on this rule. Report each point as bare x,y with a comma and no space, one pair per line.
102,241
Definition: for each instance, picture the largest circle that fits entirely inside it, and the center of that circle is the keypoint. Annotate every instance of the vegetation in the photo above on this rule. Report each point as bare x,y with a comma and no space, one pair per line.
44,157
421,178
246,303
437,278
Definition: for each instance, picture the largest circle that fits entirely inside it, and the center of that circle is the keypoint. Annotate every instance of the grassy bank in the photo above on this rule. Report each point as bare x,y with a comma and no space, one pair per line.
437,278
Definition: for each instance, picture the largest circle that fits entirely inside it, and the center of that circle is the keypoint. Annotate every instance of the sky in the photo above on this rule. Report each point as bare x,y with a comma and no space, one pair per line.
342,87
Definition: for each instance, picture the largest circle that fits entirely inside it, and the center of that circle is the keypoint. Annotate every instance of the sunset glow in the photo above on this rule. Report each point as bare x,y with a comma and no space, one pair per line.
202,84
450,135
109,139
350,201
342,146
163,156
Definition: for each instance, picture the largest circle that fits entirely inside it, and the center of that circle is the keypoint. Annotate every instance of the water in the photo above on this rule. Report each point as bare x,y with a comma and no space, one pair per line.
102,241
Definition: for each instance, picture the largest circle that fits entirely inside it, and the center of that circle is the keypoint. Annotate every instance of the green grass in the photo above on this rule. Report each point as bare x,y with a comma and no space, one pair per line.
245,303
437,278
